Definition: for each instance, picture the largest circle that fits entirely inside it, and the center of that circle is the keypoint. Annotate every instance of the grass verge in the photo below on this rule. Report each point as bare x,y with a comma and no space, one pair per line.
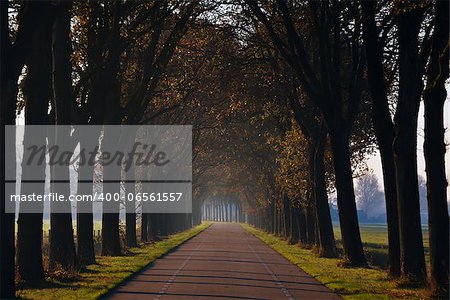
350,283
98,279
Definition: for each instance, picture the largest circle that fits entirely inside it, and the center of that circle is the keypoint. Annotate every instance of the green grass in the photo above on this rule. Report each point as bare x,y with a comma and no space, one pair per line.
98,279
376,233
375,242
351,283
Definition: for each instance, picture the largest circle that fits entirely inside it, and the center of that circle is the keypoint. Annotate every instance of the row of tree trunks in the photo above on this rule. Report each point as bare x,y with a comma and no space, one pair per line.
313,128
48,80
299,225
227,211
338,107
159,225
398,141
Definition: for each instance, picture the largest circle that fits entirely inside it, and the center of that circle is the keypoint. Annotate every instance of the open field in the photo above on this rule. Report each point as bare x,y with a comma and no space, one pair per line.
96,280
351,283
375,242
46,225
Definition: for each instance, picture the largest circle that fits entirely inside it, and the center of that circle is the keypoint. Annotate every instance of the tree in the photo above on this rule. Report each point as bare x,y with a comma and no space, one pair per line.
62,246
369,197
434,97
37,94
14,53
383,127
314,129
130,210
423,194
303,169
89,99
9,76
409,17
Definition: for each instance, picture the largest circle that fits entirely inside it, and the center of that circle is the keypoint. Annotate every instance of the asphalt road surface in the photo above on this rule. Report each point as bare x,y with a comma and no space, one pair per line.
222,262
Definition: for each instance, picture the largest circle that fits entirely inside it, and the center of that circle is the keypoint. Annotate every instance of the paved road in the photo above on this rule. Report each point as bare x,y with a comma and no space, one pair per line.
223,262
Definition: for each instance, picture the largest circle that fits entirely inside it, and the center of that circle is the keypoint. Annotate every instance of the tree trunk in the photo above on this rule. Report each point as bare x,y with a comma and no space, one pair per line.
37,93
85,218
144,225
130,209
62,246
326,245
270,222
144,208
162,225
405,148
277,220
153,227
111,173
29,244
294,230
9,77
7,229
302,235
348,218
111,185
390,194
287,217
130,223
225,205
310,226
384,131
110,234
434,96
